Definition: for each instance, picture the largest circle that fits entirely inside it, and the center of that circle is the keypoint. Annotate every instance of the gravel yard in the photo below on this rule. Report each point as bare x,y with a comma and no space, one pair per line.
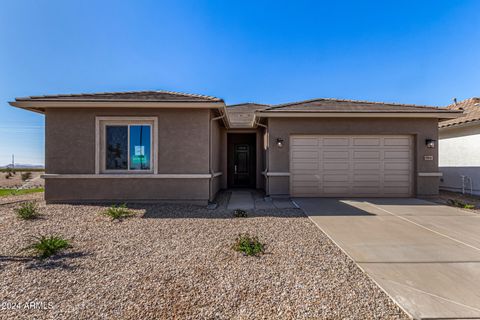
176,261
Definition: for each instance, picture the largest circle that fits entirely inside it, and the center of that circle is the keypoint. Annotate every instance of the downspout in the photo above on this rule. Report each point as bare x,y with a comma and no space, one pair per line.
210,162
267,153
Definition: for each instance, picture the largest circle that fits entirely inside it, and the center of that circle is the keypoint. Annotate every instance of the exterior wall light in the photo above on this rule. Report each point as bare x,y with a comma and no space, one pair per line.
430,143
280,142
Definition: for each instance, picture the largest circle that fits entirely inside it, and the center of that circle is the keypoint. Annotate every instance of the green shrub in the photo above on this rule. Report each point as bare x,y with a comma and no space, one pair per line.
27,210
46,246
26,175
239,213
118,212
460,204
248,245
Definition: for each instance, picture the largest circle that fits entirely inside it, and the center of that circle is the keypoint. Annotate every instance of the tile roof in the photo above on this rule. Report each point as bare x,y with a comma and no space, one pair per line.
154,96
471,109
242,115
340,105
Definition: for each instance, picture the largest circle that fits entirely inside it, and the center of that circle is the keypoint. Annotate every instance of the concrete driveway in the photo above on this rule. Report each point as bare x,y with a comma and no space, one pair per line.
426,256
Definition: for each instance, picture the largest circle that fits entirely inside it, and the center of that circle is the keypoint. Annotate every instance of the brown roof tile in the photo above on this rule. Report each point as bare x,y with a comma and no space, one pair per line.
471,109
339,105
155,96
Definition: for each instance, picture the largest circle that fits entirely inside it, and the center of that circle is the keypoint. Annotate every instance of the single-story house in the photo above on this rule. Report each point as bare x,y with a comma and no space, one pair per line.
459,148
169,146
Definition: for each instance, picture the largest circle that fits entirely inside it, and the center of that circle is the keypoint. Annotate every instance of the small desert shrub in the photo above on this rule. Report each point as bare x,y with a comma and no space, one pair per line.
46,246
118,212
26,175
239,213
27,210
248,245
460,204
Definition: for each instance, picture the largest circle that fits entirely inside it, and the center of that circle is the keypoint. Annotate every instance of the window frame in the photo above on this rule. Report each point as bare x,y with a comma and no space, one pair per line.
101,142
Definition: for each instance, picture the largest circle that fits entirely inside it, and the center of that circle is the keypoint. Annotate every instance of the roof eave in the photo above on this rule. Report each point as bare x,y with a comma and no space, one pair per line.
310,114
34,105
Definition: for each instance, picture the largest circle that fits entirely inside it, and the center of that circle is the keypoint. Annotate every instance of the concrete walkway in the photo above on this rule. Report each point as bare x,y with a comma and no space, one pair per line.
241,199
247,199
424,255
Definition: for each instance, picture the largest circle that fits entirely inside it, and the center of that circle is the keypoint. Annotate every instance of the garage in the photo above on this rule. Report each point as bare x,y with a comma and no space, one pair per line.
351,165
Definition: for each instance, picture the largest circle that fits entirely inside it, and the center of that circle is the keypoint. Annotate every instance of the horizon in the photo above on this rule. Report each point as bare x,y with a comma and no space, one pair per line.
268,52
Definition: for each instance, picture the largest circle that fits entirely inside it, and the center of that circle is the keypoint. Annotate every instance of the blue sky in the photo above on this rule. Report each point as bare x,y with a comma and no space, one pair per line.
423,52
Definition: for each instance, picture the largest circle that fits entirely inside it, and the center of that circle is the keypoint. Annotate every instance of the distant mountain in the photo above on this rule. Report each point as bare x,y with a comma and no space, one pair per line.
24,166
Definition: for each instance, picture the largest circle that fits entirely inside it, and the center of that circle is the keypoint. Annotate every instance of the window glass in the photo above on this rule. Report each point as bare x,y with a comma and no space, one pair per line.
117,148
140,147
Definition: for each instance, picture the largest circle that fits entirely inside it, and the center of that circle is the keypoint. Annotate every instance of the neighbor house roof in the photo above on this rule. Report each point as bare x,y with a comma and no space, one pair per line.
471,110
243,115
157,95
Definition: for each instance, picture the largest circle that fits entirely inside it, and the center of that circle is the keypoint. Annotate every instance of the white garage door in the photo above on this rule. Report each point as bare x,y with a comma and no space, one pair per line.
351,166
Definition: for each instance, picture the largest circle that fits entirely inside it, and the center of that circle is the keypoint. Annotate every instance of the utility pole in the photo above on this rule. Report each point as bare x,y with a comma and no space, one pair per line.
13,162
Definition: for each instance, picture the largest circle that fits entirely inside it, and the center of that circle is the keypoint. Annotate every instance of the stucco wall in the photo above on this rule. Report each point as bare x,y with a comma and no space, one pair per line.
420,129
183,140
218,153
102,189
260,166
459,154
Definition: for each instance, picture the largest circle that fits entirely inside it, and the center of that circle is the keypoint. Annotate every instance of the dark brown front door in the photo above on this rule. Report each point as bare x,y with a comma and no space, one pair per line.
241,160
241,174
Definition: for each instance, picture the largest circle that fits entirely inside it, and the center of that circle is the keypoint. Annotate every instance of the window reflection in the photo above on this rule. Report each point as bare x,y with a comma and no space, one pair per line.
116,149
140,147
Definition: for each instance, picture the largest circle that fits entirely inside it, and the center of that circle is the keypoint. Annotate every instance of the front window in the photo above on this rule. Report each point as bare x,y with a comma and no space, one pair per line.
126,146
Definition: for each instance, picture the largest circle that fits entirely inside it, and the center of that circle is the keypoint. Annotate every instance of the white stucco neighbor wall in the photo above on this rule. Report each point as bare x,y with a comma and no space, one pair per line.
459,154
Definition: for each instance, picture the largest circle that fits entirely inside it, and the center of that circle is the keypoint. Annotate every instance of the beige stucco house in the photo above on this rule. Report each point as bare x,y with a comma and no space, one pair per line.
160,145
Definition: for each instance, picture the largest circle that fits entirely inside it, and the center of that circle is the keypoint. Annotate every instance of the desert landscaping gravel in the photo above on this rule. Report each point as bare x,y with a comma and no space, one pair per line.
176,261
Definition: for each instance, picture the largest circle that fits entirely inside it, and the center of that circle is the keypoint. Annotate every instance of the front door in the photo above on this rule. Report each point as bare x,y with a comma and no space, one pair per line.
241,168
241,160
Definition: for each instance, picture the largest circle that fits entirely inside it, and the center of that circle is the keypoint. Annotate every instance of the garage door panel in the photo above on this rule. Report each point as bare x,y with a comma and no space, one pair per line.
334,190
351,166
395,190
335,177
305,166
400,141
305,154
305,177
305,141
367,177
359,166
335,142
403,166
366,190
371,155
396,177
342,155
366,141
397,155
336,165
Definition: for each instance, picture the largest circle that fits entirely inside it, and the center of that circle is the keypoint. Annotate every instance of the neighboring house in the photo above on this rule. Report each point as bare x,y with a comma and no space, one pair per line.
159,145
459,149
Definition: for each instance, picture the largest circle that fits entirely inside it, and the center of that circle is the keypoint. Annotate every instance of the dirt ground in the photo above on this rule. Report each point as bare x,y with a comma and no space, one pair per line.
15,181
